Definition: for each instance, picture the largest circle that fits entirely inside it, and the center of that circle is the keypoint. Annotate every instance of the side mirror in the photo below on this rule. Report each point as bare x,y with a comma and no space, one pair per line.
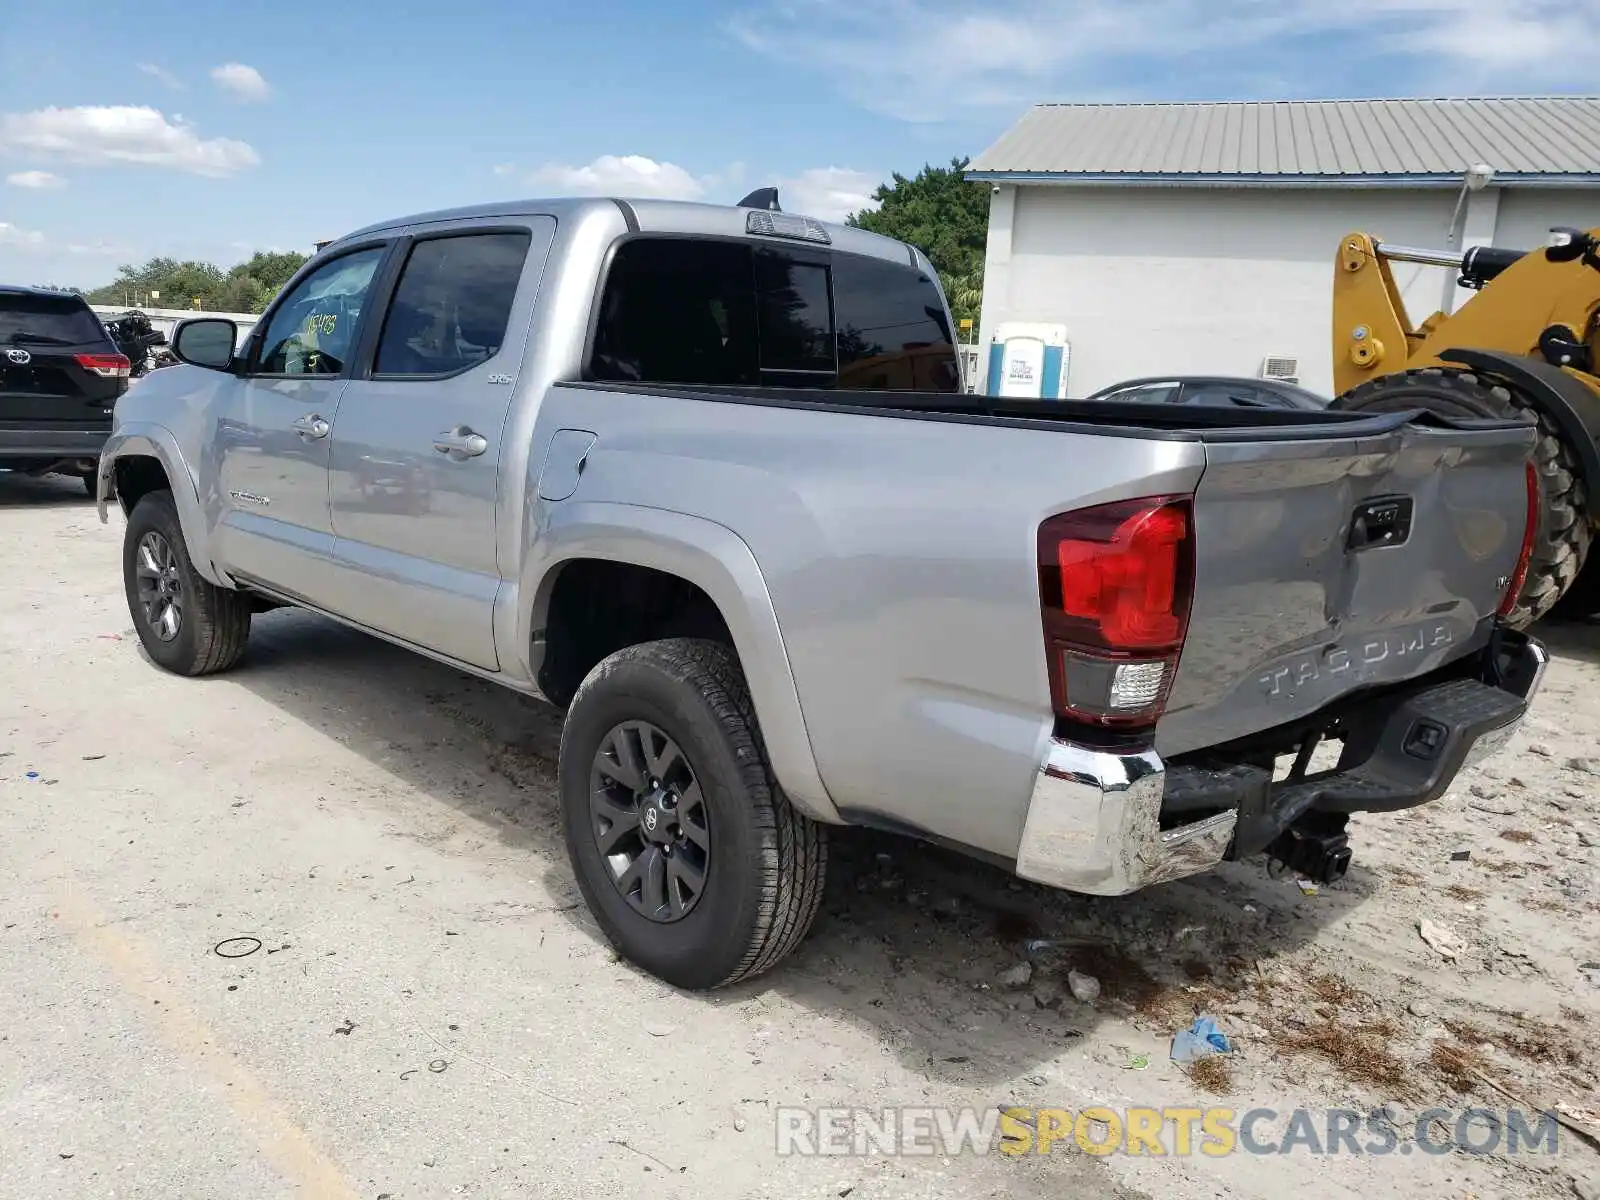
206,342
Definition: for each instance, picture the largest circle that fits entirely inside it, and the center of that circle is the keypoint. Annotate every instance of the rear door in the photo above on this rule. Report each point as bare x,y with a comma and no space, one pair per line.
55,363
1337,562
416,450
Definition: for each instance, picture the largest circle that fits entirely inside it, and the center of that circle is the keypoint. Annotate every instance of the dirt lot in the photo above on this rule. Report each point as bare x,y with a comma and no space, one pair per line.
431,1013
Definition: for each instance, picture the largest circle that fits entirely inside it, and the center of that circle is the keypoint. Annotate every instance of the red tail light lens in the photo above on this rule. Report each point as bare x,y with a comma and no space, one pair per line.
1125,583
1530,531
109,366
1115,583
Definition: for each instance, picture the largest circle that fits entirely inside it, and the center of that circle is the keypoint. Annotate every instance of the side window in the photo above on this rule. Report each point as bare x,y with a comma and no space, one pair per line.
1150,393
1224,395
893,333
313,330
690,311
678,311
452,305
795,311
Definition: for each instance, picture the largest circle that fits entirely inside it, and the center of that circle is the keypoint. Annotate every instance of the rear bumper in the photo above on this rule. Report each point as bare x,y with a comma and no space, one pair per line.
53,443
1108,823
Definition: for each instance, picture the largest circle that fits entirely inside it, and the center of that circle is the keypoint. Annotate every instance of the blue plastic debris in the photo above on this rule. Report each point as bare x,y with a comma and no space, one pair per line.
1200,1040
33,774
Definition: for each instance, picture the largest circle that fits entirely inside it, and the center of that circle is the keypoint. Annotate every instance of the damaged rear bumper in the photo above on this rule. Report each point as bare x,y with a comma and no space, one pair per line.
1109,822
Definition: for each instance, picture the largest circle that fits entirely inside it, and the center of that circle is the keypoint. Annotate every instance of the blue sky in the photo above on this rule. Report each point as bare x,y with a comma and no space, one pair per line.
154,127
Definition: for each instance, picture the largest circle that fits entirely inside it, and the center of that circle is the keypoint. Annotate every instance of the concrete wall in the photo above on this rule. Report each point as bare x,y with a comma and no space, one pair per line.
1526,217
1174,280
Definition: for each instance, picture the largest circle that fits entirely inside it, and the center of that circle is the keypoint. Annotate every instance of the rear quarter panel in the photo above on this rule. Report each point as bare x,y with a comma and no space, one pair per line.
900,555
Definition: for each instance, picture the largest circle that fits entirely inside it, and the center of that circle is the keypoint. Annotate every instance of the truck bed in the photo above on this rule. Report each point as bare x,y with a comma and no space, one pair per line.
899,536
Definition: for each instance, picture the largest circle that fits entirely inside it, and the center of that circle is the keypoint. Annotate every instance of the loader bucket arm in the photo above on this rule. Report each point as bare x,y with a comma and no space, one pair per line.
1372,334
1525,304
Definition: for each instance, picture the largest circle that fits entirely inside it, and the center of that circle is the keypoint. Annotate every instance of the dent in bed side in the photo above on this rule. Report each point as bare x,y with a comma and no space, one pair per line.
719,563
149,440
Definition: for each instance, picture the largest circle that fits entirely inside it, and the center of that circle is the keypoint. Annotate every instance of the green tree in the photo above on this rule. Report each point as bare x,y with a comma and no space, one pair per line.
247,287
272,269
947,218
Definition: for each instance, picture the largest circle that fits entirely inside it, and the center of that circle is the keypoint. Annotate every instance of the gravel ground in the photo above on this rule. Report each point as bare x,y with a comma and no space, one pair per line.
431,1012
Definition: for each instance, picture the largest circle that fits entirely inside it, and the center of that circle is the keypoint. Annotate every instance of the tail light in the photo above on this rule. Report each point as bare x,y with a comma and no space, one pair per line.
1115,582
1530,531
108,366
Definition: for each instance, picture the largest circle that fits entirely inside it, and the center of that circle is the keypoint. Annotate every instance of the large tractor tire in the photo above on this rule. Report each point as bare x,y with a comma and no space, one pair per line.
1562,542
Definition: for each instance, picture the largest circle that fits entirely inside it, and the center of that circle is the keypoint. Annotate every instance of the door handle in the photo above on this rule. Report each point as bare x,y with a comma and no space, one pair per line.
461,443
312,426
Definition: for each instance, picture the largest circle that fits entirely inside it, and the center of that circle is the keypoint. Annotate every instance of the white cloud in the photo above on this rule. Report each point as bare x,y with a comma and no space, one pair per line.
93,136
34,179
626,175
245,83
98,250
504,168
828,193
13,237
1009,53
164,75
730,179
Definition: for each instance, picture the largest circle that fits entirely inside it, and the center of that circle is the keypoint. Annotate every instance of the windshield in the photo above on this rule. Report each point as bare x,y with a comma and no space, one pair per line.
27,319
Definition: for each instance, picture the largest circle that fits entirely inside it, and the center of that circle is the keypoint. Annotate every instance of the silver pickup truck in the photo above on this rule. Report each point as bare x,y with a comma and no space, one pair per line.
706,478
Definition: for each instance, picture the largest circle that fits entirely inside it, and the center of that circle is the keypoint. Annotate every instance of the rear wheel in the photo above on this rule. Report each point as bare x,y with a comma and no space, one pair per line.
91,484
1561,543
693,862
187,625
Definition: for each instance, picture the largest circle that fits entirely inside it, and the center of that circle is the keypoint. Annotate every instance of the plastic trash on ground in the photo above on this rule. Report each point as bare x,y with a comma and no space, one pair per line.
1200,1040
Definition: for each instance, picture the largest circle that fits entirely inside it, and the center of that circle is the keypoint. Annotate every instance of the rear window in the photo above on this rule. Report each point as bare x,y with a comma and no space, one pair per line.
693,312
47,321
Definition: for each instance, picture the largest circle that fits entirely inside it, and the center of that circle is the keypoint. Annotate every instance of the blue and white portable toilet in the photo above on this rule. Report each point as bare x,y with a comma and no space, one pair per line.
1028,361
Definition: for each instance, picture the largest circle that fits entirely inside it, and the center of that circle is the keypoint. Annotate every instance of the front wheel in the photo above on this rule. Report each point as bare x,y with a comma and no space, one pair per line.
693,862
187,625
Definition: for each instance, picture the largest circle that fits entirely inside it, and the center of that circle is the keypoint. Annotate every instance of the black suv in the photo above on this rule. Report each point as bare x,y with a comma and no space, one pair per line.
60,376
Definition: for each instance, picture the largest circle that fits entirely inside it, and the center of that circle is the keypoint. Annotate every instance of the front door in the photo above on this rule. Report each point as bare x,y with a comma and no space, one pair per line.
272,441
417,447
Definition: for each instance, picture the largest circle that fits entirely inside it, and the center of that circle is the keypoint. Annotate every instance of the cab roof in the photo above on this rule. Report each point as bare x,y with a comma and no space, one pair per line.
648,216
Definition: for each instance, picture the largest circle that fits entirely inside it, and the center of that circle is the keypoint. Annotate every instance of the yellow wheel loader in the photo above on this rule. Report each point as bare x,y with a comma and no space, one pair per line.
1526,344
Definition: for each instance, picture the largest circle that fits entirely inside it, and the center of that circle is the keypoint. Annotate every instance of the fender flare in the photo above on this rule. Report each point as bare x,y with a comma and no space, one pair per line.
146,440
720,563
1562,396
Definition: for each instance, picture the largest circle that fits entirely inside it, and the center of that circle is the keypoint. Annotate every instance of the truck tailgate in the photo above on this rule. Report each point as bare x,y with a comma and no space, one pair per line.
1330,565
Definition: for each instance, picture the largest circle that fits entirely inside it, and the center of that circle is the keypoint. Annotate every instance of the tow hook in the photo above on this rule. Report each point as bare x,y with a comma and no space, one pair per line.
1315,847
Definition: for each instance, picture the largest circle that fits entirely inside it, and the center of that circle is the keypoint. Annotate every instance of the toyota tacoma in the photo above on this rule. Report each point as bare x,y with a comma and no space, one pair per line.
705,478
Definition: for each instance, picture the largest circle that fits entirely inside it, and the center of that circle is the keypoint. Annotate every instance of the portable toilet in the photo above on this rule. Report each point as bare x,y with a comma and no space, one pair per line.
1028,361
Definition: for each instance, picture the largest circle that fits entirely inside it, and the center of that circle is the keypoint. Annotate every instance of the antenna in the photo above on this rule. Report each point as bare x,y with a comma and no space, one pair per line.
766,197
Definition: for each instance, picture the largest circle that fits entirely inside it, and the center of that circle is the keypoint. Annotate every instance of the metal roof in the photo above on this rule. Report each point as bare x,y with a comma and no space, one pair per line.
1539,138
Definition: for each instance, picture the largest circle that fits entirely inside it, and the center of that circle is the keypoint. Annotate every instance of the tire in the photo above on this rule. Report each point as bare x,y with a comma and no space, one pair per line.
1561,543
91,484
212,623
764,863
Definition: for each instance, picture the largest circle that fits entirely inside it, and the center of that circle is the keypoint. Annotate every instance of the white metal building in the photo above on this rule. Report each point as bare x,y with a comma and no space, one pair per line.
1187,238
